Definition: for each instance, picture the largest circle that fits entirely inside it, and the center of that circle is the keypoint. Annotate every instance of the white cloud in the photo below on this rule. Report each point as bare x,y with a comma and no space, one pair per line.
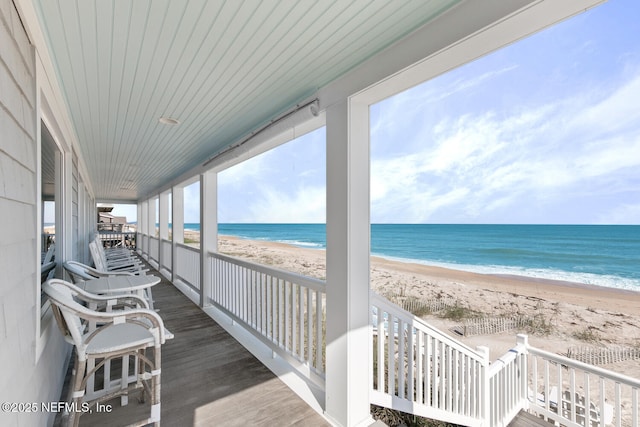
489,165
286,184
128,210
192,203
305,205
627,213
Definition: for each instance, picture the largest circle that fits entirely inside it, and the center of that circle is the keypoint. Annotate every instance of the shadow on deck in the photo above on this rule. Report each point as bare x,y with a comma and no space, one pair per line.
208,378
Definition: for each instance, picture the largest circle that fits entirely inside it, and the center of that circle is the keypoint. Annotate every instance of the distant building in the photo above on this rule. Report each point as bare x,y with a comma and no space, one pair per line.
108,222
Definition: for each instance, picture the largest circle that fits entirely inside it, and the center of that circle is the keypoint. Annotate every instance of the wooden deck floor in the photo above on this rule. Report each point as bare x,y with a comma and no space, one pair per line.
209,379
524,419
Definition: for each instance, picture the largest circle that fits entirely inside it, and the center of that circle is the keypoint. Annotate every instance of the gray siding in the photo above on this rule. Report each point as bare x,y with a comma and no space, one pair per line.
24,377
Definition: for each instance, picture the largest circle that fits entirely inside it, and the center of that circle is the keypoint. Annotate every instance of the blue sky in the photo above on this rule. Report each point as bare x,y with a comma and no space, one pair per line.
546,130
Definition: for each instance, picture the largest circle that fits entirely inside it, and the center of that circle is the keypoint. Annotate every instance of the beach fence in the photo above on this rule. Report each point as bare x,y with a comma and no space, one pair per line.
420,307
603,355
490,325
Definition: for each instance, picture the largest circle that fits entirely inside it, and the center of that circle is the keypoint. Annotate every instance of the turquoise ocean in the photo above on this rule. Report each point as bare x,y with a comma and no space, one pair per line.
601,255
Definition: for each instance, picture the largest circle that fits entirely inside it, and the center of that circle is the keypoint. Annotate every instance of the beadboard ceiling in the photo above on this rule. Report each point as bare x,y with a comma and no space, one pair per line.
221,68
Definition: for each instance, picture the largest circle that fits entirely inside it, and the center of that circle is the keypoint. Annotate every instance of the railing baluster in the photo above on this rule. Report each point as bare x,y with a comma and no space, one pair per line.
443,377
280,314
310,335
546,385
587,398
635,418
419,366
455,384
392,355
301,323
572,391
274,310
618,404
437,373
401,359
294,323
429,365
320,332
287,314
602,390
382,359
411,363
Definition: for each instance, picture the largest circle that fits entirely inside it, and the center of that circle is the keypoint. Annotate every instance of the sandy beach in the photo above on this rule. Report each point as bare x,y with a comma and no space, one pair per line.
567,314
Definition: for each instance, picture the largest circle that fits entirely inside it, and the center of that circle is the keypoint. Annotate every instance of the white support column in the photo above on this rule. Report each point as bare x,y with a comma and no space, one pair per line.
163,213
144,228
208,231
347,325
151,206
164,216
139,227
177,220
152,217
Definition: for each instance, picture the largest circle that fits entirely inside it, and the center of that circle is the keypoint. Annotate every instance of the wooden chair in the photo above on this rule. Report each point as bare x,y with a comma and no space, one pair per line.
115,334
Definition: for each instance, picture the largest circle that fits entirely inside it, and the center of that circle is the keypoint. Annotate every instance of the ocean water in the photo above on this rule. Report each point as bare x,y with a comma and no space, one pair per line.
602,255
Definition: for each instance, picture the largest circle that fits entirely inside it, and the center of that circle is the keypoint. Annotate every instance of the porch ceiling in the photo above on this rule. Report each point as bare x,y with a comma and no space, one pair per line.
221,68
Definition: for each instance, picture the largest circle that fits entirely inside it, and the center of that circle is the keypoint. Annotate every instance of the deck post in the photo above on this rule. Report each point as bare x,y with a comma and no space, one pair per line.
152,227
177,226
522,342
485,390
348,341
139,228
163,213
144,229
208,231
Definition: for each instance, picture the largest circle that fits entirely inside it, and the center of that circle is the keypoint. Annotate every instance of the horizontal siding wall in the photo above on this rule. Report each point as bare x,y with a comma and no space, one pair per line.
23,378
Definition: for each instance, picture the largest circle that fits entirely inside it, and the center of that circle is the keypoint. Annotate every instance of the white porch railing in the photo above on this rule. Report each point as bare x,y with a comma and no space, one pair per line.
126,239
508,386
154,254
422,371
165,256
416,368
283,309
573,393
562,390
187,265
141,243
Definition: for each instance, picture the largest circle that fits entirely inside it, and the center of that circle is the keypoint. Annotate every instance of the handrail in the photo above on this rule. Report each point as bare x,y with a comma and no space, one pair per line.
420,370
284,310
421,324
505,359
185,246
575,393
187,266
507,379
166,255
309,282
596,370
560,389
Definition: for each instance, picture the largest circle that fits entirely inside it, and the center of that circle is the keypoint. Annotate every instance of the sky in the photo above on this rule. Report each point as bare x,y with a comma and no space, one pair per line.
546,130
